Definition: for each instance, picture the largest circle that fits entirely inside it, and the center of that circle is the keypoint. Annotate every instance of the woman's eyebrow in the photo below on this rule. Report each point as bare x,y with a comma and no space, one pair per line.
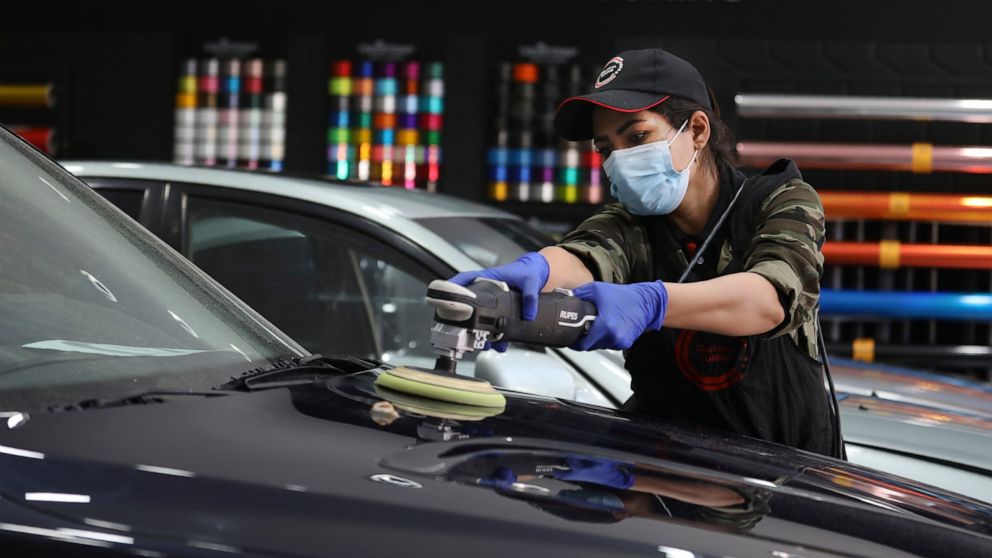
620,128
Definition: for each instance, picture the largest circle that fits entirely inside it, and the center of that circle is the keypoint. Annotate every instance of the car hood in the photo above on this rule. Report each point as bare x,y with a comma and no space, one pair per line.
342,467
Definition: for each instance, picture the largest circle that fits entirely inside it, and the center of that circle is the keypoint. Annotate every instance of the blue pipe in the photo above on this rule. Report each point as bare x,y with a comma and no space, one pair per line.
923,305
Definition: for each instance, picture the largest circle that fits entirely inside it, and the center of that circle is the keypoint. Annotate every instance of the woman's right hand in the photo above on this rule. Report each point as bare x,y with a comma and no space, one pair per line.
527,275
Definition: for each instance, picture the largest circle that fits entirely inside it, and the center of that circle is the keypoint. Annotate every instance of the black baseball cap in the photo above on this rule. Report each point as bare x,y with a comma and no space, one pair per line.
632,81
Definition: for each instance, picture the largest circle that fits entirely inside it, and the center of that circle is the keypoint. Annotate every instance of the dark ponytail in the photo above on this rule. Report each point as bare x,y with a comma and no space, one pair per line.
721,150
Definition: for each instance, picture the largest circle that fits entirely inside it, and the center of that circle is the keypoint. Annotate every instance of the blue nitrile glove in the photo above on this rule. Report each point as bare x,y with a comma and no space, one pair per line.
527,274
603,472
502,477
600,499
623,313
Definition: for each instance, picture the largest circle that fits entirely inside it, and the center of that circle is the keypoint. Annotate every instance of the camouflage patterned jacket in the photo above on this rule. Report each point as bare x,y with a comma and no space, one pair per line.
768,385
781,241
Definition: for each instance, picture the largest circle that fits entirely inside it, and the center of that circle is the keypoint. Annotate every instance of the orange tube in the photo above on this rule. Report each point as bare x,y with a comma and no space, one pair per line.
892,255
904,206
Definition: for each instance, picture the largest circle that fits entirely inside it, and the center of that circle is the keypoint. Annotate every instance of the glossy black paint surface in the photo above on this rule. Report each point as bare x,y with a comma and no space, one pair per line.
315,470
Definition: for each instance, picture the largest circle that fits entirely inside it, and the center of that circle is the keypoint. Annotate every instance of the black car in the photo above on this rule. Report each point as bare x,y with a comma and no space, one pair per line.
147,412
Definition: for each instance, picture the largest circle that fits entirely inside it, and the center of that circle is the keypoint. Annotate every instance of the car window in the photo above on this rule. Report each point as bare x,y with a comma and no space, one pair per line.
333,289
128,201
488,241
92,305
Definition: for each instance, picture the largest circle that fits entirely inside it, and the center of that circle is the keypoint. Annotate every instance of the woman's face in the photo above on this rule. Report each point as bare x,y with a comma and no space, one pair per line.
619,130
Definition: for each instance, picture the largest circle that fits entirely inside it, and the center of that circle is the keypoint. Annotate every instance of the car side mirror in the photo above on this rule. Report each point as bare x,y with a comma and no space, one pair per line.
526,370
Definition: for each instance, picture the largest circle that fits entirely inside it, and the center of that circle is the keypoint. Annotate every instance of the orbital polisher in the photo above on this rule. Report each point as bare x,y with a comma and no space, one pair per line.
467,319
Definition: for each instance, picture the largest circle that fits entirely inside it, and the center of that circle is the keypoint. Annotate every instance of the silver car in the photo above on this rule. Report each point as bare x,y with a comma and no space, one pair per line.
343,268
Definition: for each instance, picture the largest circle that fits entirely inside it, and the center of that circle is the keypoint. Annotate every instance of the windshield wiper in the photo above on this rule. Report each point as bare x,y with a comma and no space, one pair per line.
296,371
288,372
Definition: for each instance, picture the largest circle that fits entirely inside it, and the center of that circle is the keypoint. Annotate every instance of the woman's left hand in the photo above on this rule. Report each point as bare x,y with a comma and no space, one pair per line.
623,313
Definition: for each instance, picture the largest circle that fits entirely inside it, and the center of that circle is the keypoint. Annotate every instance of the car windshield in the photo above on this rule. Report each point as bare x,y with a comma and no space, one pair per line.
94,306
489,241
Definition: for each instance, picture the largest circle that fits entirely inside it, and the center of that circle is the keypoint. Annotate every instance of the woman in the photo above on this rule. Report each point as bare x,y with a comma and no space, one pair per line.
728,341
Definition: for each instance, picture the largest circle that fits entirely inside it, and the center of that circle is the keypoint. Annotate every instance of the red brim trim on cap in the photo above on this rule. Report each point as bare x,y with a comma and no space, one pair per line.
604,105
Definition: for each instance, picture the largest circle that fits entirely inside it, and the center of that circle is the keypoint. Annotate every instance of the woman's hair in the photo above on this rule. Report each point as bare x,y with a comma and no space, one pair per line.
721,149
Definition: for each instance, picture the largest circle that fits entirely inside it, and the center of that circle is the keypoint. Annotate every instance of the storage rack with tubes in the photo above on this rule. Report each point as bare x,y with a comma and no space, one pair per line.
925,302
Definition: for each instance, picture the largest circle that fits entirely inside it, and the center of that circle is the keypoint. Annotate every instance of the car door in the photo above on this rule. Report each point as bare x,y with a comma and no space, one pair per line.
326,278
337,283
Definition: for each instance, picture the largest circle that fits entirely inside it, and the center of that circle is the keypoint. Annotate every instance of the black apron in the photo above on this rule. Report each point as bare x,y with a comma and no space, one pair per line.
767,388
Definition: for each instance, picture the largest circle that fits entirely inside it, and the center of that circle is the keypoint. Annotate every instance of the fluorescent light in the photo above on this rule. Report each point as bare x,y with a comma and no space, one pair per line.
119,539
56,534
56,190
670,552
215,546
22,453
106,524
14,418
165,471
57,497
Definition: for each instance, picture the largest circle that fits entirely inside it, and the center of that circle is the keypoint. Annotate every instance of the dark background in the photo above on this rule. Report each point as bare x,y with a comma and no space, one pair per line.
115,64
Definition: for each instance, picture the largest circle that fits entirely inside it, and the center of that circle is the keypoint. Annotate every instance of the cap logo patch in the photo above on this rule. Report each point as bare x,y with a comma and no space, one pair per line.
610,71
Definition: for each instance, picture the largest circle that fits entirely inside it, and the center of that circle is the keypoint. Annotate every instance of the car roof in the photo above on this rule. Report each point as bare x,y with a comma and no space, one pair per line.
395,208
351,196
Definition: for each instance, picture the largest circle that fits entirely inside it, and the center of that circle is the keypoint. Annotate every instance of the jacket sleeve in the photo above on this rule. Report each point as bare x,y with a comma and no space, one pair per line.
787,251
612,244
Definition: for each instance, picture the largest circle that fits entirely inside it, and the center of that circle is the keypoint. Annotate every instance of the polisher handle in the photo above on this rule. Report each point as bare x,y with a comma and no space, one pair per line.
492,306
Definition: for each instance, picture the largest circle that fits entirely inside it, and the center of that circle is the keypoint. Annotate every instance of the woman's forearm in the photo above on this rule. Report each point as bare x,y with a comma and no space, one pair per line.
694,492
737,304
565,270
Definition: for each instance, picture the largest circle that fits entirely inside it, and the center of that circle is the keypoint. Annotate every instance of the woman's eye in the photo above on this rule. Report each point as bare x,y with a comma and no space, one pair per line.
638,137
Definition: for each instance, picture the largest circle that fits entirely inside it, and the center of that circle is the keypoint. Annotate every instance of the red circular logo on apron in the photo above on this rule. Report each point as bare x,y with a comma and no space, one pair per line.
712,362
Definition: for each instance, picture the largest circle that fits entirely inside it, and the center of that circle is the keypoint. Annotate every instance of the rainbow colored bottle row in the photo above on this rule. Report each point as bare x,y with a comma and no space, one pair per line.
231,113
385,123
568,174
526,161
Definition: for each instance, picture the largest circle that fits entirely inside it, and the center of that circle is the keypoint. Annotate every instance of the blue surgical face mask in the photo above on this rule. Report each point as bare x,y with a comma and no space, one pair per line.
644,179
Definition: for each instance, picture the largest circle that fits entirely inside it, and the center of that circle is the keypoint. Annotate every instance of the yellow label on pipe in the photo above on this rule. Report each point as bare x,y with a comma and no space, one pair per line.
888,254
25,95
863,349
899,204
922,158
